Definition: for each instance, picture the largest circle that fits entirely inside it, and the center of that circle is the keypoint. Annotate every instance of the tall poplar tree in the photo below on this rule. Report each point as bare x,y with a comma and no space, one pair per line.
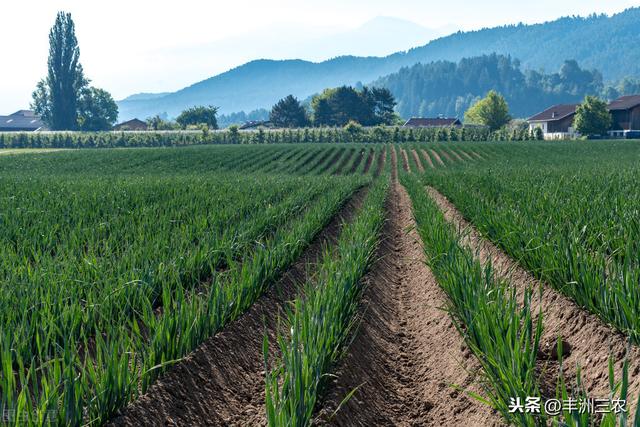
56,97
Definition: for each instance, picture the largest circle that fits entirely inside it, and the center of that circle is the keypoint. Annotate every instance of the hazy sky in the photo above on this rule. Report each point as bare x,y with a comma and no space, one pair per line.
152,46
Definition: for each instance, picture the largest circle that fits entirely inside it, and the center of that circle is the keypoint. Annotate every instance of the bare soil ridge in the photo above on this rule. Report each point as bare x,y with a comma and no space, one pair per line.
222,381
407,353
591,341
417,160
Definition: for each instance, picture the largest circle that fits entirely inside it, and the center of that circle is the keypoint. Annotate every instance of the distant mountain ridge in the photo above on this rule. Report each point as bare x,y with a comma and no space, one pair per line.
609,44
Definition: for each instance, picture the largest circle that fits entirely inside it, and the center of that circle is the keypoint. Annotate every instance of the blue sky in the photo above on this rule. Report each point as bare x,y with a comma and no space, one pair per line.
136,46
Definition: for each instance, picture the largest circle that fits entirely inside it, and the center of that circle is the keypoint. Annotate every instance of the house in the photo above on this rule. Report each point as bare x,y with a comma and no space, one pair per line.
131,125
556,122
21,121
625,112
438,122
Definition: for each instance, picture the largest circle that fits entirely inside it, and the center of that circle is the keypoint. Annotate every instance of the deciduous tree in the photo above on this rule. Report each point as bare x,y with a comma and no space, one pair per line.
592,117
492,111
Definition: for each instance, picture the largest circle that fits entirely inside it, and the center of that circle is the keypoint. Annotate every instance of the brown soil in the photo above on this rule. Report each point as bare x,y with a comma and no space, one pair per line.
437,157
590,340
394,163
381,161
417,160
370,157
345,160
407,354
427,158
405,160
477,155
222,381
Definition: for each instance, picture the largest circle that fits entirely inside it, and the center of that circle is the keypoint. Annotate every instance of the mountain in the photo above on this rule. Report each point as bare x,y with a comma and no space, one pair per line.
610,44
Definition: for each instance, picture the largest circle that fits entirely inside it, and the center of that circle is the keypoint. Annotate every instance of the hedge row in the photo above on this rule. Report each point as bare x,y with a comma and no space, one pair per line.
308,135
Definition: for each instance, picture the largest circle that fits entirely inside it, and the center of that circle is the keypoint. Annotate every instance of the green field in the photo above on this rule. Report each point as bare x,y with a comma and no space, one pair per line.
117,263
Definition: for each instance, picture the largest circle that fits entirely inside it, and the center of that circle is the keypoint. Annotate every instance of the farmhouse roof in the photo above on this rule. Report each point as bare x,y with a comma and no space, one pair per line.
557,112
132,122
625,103
21,120
432,122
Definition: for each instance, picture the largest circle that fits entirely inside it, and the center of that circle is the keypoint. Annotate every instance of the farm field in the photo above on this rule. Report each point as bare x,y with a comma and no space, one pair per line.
324,284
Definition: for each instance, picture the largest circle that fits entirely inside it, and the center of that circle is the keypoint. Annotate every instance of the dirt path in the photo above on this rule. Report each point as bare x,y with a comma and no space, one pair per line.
427,158
437,157
417,160
591,340
407,353
222,381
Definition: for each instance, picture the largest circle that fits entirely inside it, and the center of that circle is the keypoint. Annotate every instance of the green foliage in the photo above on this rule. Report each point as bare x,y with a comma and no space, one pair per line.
64,99
196,116
321,323
578,199
289,113
492,111
233,135
158,123
430,89
592,117
338,106
56,97
124,232
97,110
503,336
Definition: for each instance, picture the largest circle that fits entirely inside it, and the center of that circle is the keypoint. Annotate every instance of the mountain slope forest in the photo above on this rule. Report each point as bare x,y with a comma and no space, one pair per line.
449,88
610,44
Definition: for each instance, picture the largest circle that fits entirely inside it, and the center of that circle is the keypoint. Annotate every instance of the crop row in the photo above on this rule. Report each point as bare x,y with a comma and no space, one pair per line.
320,324
569,217
499,329
106,280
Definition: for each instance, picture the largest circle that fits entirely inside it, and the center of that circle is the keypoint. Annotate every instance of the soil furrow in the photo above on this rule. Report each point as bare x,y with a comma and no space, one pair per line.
222,381
405,160
417,160
437,157
427,158
590,341
367,166
407,355
381,161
